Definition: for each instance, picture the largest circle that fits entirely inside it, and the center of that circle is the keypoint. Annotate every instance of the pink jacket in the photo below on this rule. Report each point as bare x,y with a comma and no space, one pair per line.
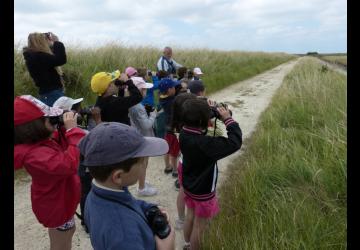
55,187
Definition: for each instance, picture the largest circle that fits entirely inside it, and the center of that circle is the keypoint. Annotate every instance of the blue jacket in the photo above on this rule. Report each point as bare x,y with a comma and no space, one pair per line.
113,225
149,98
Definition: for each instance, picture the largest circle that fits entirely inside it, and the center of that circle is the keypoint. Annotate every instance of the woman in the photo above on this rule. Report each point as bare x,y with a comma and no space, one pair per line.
43,57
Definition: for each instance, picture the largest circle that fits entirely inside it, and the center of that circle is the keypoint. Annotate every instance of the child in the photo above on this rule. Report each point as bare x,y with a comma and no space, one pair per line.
197,73
176,125
130,71
144,124
114,154
200,154
113,104
52,164
167,96
196,87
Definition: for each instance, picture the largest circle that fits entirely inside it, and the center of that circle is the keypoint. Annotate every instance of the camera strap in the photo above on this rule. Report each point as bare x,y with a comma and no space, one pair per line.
121,203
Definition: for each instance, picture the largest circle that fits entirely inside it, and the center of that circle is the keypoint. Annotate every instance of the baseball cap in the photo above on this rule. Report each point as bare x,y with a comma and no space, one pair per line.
166,83
130,71
66,103
112,142
198,71
196,86
27,108
101,80
140,83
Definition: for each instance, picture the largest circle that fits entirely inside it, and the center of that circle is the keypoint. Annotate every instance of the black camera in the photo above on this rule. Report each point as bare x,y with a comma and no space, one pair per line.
149,73
59,120
48,35
149,109
119,83
157,222
215,113
85,111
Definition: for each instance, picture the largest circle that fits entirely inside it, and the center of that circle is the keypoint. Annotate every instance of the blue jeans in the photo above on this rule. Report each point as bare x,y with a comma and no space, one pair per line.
50,97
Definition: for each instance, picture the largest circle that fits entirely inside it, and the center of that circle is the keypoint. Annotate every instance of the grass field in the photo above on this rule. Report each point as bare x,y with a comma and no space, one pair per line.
342,60
288,190
221,68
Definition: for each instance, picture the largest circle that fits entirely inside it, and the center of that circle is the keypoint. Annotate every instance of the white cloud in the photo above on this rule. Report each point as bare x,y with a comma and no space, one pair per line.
221,24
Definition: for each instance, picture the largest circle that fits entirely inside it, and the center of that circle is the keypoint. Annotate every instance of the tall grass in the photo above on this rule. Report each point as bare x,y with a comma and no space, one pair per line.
342,60
221,68
288,190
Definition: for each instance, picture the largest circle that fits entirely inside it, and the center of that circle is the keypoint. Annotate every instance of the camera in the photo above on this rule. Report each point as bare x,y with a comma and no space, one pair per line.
119,83
157,222
149,73
48,35
85,111
59,120
214,113
149,109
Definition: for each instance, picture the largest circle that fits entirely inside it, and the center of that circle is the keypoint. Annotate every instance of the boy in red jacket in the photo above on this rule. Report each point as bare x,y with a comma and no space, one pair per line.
52,164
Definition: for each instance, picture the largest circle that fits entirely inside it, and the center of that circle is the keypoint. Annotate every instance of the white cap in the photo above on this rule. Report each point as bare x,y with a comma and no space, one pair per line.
198,71
66,103
140,83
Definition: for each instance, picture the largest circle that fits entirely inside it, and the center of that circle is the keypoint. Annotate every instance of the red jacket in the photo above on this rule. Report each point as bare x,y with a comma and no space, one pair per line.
55,187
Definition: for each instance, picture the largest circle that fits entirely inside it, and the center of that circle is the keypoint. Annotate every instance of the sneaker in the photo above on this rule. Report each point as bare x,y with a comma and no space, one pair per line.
147,191
186,246
85,227
177,185
174,174
168,170
179,224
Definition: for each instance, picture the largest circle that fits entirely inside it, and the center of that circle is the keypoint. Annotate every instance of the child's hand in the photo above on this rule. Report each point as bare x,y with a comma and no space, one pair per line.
211,103
70,120
224,113
168,243
123,77
96,114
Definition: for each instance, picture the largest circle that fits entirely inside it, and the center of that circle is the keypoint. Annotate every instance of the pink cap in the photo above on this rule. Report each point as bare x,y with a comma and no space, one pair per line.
130,71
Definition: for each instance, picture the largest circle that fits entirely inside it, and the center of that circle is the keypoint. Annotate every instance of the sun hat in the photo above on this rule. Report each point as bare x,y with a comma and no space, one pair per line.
166,83
196,86
130,71
198,71
140,83
112,142
27,108
101,80
66,103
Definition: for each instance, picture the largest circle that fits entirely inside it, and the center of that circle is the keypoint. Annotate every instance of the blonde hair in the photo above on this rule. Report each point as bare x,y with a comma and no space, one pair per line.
38,42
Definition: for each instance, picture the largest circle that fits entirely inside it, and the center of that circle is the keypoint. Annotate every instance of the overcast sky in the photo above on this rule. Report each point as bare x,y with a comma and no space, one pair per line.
293,26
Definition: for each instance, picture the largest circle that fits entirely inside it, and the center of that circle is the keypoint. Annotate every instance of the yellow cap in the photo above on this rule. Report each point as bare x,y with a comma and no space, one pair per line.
101,81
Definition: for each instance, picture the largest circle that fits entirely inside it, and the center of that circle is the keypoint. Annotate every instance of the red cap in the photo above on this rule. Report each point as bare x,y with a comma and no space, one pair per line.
25,111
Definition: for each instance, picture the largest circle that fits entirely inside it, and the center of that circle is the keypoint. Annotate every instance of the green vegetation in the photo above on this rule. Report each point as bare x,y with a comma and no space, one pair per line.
221,68
288,190
342,60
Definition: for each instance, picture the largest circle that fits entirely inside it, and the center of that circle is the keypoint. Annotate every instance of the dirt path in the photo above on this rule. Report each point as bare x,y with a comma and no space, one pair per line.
247,100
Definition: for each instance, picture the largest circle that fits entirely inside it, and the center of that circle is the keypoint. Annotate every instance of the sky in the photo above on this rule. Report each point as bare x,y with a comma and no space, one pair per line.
291,26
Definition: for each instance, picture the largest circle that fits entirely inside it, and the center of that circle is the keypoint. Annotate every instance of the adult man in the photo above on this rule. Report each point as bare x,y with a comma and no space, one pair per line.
166,62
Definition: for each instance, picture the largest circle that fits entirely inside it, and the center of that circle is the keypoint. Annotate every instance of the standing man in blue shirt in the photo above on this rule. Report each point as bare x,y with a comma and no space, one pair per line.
166,62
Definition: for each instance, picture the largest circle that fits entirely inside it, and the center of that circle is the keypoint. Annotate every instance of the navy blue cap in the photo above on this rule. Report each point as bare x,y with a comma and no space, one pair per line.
167,83
112,142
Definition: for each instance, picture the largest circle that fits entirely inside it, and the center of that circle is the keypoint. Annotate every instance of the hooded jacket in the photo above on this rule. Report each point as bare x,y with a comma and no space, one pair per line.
55,187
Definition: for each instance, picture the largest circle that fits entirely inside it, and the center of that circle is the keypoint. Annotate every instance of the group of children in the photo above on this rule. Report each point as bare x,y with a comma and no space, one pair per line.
130,125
